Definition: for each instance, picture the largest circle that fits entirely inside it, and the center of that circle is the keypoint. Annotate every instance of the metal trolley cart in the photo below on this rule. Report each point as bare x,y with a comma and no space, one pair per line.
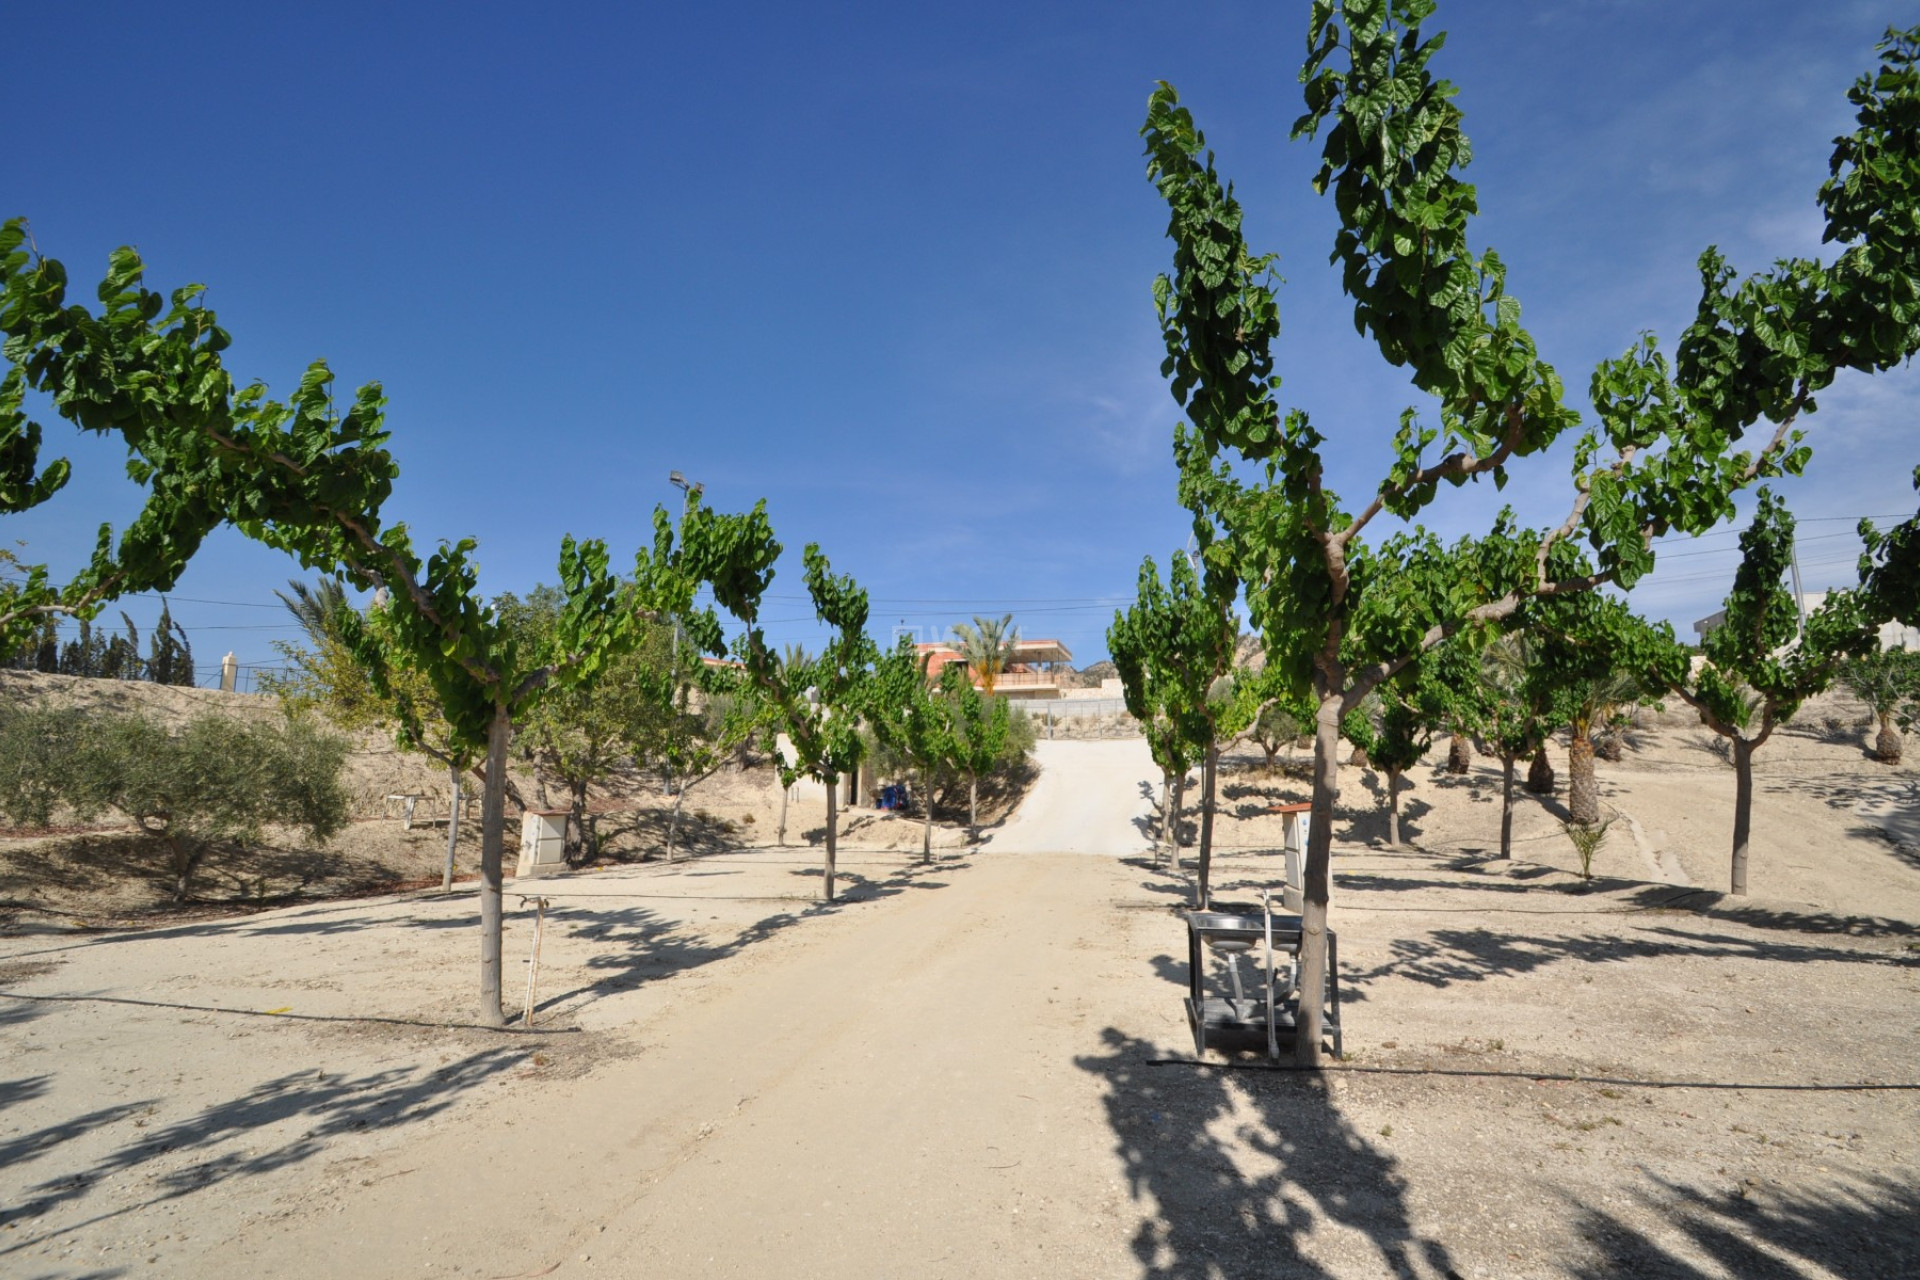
1263,1018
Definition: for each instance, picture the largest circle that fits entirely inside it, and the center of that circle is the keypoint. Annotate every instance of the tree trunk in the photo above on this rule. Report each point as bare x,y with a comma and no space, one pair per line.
1311,1022
833,840
1358,759
1166,817
926,803
453,828
577,819
786,793
973,808
1583,790
184,858
1742,810
1459,753
1506,807
673,823
1209,778
1179,803
1272,752
1886,744
1393,807
1540,778
493,820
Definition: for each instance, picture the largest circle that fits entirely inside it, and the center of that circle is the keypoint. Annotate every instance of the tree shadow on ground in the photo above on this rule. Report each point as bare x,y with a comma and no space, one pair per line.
637,945
1242,1170
249,877
1857,1230
1447,957
642,836
234,1136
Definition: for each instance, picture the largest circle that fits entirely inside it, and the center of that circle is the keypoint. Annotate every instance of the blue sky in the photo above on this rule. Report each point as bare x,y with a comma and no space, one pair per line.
886,266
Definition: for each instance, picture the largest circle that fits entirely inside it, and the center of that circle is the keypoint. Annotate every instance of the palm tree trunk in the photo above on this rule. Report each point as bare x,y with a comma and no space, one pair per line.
1459,753
1540,778
1886,744
1583,790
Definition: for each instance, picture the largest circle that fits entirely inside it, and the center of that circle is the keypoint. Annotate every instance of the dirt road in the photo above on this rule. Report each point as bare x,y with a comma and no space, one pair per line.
957,1073
1090,797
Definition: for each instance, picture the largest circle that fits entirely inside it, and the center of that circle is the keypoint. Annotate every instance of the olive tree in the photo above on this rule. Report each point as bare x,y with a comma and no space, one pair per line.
203,787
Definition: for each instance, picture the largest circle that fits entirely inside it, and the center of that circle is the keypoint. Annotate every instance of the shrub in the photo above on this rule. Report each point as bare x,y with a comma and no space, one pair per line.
211,784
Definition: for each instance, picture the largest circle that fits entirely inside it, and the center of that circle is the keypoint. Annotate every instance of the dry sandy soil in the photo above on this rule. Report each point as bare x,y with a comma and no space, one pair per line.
981,1067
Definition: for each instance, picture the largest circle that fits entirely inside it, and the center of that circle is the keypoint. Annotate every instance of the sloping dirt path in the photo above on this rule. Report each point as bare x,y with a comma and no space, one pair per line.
1090,797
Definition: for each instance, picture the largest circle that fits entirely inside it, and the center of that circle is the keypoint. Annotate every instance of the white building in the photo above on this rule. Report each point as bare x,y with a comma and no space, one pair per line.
1892,635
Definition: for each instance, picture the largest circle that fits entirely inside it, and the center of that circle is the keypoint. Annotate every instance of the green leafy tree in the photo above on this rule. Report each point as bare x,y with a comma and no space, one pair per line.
44,751
1275,725
169,653
977,730
306,479
153,550
1755,674
707,735
583,735
1890,570
911,724
1589,651
1401,741
1888,681
1166,647
328,677
1518,713
815,704
1664,455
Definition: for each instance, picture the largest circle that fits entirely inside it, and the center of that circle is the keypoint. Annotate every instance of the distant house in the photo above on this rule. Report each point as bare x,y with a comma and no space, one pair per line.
1892,635
1034,670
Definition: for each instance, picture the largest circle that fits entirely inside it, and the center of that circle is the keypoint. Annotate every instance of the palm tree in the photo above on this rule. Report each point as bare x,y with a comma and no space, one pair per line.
1885,680
987,646
316,608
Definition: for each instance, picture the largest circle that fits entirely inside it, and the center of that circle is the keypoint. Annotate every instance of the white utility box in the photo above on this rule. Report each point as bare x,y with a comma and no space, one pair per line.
1294,820
543,843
